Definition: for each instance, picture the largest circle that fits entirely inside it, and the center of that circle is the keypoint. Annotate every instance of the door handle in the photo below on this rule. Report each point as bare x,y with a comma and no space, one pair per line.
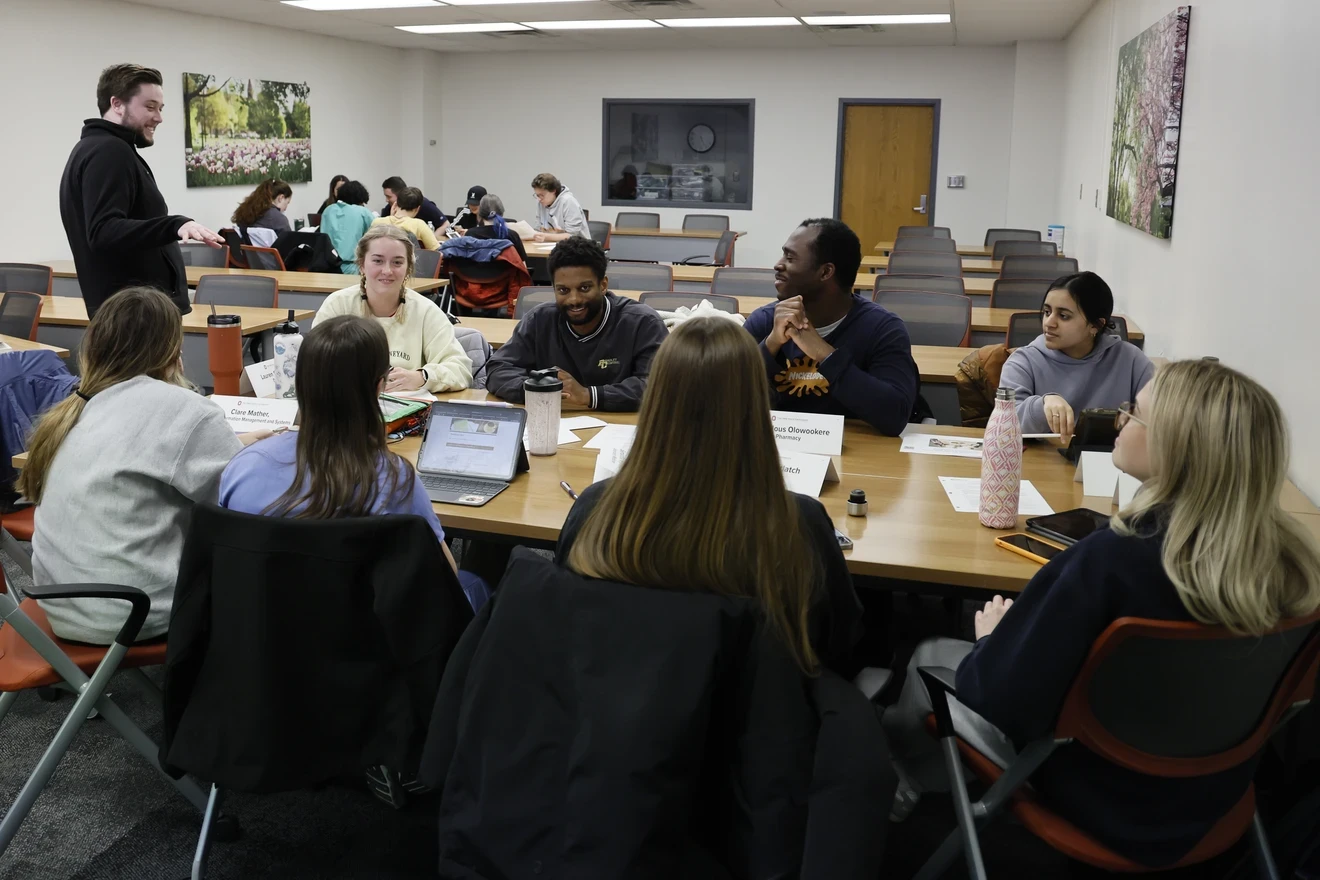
921,209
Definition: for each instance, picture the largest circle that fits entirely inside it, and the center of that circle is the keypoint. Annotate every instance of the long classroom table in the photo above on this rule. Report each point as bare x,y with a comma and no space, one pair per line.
650,245
967,250
18,344
975,265
64,320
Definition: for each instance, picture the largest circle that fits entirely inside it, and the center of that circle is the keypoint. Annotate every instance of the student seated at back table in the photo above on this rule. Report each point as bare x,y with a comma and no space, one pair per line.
335,183
826,349
684,514
423,350
116,468
465,218
264,208
1075,364
1204,539
428,213
345,221
558,214
404,216
602,344
337,464
490,224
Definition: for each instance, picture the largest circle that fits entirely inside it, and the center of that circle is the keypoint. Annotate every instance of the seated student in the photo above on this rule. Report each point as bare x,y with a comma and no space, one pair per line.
1075,364
116,468
683,511
826,349
423,350
337,464
335,183
427,213
404,216
345,221
264,208
601,343
465,218
1204,539
558,214
490,217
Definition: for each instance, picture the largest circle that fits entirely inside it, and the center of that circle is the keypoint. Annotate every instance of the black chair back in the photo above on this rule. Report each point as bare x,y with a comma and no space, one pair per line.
531,297
925,263
204,255
637,220
639,276
907,281
234,242
926,243
27,278
1010,248
931,318
252,291
427,263
718,222
1019,293
740,281
600,232
1037,267
996,235
1023,328
20,314
924,231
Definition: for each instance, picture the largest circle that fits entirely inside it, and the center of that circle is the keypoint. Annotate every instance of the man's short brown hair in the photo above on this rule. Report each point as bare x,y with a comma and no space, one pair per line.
409,198
122,81
547,182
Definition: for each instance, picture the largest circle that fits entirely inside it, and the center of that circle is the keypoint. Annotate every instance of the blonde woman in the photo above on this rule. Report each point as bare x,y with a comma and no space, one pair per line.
684,514
116,468
1205,539
423,351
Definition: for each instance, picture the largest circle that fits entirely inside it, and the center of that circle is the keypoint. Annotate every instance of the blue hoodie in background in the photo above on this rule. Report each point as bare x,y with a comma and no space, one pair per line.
1110,375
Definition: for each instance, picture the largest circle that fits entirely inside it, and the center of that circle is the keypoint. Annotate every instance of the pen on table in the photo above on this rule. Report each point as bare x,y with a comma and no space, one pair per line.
498,403
569,489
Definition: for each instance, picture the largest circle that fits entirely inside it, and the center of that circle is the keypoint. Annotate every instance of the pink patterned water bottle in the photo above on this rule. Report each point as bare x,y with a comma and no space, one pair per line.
1001,464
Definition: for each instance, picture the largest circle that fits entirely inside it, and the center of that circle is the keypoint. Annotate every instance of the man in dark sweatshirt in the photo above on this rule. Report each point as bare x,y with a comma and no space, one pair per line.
602,344
120,231
827,350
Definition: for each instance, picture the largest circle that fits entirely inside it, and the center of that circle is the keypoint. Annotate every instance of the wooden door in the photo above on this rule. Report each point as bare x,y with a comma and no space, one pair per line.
887,155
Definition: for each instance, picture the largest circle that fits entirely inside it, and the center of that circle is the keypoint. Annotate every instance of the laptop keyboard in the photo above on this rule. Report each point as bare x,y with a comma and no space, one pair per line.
457,484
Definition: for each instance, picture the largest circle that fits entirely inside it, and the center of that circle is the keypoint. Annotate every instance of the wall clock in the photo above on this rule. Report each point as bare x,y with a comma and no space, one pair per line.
701,138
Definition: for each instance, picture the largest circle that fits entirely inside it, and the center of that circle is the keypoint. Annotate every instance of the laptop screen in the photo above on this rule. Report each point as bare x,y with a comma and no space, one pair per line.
472,441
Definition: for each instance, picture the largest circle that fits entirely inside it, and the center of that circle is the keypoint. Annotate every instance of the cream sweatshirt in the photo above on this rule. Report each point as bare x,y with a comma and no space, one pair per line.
420,335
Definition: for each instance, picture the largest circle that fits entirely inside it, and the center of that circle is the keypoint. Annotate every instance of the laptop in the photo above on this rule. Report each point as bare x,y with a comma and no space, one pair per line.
470,453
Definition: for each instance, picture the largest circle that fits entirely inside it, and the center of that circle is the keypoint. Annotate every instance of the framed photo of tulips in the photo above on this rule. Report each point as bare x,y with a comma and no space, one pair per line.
242,131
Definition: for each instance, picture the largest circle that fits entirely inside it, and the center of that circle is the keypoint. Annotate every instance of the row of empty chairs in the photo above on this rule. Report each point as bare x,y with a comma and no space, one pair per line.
950,263
1002,249
992,236
651,220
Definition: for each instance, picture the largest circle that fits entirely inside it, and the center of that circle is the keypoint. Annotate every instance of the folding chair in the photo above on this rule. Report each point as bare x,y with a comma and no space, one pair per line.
666,301
996,235
637,220
1019,293
1018,266
1163,698
933,283
26,277
925,231
640,276
531,297
1023,328
264,258
931,318
740,281
31,656
20,314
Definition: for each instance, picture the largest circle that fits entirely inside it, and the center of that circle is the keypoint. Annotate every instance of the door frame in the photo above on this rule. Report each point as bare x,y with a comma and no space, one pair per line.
845,103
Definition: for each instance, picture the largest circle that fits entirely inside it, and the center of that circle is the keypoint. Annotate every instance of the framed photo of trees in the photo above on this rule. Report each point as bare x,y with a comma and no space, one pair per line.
242,131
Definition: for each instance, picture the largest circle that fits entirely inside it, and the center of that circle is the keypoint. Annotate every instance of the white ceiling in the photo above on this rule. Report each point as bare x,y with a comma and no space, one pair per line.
975,22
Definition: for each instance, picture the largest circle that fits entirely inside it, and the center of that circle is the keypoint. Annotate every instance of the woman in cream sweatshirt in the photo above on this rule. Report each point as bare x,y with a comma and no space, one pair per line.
423,351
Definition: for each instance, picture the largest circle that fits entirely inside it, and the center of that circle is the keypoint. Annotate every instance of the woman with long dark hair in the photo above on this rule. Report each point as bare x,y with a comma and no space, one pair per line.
337,464
264,207
335,183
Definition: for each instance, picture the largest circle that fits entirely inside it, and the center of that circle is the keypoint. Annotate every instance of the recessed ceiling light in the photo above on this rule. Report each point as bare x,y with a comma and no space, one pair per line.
481,27
604,24
933,18
340,5
760,21
501,2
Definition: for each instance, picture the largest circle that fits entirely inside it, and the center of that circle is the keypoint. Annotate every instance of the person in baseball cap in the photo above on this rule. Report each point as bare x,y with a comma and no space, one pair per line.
466,217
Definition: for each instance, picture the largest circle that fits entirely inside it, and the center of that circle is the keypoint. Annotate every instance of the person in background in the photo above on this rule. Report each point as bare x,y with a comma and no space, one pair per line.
423,351
1204,540
116,468
404,215
427,213
602,343
626,186
558,215
345,221
337,464
681,512
465,218
335,183
490,216
1076,363
116,220
826,349
264,207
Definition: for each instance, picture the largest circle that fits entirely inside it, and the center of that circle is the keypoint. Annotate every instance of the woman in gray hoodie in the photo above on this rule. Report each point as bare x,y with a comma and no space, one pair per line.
1075,364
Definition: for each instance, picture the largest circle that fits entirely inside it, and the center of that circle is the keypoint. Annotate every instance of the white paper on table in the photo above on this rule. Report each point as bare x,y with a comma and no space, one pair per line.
416,394
609,461
1097,474
612,435
965,495
581,423
565,436
934,444
250,414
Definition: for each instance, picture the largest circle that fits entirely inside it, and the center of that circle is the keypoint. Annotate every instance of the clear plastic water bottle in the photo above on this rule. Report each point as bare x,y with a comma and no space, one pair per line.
1001,464
542,390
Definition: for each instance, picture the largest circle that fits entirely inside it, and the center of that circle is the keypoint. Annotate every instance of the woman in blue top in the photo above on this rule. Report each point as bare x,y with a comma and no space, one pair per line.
337,464
345,221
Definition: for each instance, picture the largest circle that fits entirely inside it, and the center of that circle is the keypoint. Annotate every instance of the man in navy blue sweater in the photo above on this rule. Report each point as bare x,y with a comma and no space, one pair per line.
827,350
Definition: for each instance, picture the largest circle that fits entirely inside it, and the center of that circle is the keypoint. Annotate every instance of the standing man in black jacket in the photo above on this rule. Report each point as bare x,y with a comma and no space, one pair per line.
119,228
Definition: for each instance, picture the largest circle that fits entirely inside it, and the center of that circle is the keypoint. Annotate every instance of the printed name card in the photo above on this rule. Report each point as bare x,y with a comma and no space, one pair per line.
806,473
813,433
262,378
249,414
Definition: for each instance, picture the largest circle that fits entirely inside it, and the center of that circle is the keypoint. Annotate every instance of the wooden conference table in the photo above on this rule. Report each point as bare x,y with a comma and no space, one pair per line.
977,265
18,344
967,250
64,320
912,535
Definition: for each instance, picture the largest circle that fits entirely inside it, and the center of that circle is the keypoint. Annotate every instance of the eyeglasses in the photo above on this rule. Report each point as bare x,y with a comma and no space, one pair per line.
1126,415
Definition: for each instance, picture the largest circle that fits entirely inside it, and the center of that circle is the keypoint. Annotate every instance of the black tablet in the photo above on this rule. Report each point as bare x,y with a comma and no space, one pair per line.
1068,527
1095,431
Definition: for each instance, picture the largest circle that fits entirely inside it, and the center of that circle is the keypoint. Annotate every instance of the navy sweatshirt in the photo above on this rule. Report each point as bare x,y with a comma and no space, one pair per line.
612,362
1018,676
870,375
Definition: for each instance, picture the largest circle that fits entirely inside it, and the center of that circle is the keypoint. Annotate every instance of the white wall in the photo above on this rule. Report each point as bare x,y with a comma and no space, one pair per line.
796,129
1037,136
357,111
1235,279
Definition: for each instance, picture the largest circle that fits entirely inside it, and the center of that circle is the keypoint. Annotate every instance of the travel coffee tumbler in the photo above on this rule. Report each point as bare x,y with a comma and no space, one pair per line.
543,389
224,342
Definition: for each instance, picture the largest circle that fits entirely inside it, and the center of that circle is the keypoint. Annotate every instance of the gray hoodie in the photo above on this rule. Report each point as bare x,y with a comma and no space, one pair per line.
1110,375
564,213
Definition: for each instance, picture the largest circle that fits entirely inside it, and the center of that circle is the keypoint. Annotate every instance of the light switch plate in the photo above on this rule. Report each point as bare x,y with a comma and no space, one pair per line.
957,181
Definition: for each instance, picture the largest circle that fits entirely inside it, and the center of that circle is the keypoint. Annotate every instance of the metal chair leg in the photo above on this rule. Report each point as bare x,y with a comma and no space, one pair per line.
1264,858
204,839
150,750
7,700
962,806
11,545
